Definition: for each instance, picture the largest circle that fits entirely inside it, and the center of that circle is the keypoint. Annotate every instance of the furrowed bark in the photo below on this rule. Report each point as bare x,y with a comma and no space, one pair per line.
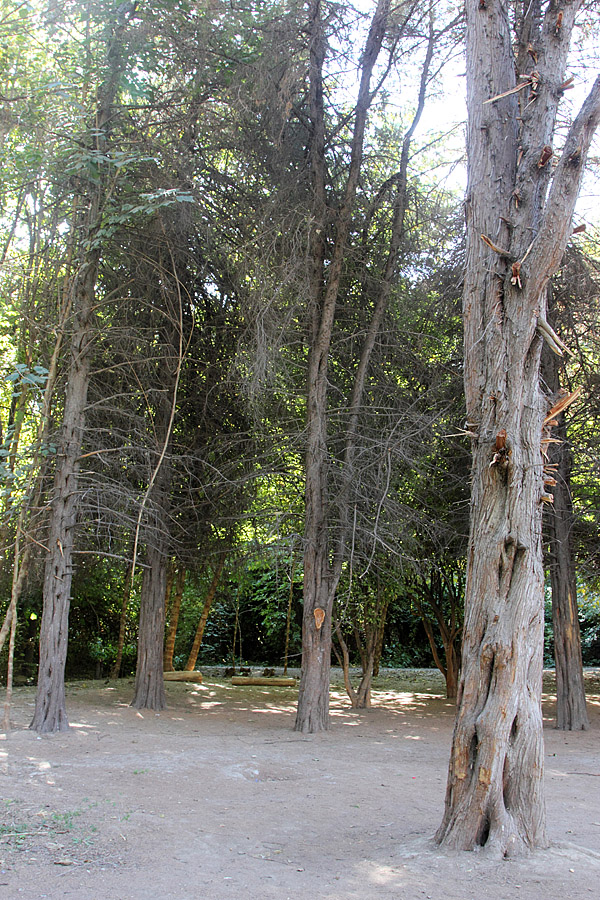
50,709
149,683
494,796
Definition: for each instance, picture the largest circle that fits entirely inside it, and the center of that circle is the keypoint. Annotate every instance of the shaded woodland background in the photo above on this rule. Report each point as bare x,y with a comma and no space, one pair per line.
162,155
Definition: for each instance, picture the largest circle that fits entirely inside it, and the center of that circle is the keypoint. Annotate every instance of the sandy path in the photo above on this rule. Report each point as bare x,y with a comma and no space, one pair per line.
217,798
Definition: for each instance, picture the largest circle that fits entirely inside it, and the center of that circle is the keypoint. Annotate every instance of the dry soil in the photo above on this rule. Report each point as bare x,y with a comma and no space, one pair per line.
217,798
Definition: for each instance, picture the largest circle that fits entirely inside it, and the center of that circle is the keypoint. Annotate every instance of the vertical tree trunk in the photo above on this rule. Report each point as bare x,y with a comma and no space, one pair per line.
384,606
174,619
319,579
516,235
149,683
571,711
50,709
208,602
50,706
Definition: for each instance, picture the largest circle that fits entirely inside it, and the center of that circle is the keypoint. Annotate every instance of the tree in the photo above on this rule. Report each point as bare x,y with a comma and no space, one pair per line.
571,711
50,711
518,212
331,235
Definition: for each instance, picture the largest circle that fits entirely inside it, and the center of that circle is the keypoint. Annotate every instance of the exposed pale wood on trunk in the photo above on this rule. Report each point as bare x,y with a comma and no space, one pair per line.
495,795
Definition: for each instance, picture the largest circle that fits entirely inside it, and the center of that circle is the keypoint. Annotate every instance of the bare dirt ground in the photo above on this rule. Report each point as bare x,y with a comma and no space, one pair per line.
216,798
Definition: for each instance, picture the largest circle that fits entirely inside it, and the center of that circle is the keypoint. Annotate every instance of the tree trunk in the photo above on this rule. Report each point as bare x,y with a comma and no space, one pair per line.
50,709
494,797
149,683
50,706
379,637
319,580
361,697
174,619
452,670
208,602
571,711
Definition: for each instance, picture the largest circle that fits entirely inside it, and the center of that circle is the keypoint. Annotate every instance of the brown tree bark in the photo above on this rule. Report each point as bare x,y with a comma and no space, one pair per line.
149,684
177,596
571,710
321,572
50,710
313,695
517,231
208,602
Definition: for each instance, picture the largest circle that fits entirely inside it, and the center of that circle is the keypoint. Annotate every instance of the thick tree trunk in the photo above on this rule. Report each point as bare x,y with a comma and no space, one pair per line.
149,683
174,619
516,236
208,602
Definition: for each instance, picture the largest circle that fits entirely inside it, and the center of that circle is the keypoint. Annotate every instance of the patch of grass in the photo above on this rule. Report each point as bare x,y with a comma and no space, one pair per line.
15,832
65,820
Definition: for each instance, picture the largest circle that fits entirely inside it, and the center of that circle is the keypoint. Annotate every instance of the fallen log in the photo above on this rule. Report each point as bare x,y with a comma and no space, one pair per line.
194,677
261,680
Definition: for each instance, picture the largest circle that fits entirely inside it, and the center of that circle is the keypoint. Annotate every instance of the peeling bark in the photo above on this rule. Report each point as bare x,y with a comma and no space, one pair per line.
494,797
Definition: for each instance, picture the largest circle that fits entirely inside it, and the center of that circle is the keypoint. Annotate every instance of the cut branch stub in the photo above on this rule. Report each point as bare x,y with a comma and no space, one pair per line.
319,615
562,404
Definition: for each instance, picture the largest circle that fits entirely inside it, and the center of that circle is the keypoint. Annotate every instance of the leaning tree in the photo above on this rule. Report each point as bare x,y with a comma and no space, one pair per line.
520,200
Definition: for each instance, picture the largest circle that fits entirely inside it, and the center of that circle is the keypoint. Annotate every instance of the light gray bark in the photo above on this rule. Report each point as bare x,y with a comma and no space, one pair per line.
495,795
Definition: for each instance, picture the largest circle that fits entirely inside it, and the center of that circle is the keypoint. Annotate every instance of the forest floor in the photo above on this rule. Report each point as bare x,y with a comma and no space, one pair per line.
216,798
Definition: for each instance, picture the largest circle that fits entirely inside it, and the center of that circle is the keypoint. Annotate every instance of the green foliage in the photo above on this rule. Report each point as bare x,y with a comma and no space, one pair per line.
588,601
